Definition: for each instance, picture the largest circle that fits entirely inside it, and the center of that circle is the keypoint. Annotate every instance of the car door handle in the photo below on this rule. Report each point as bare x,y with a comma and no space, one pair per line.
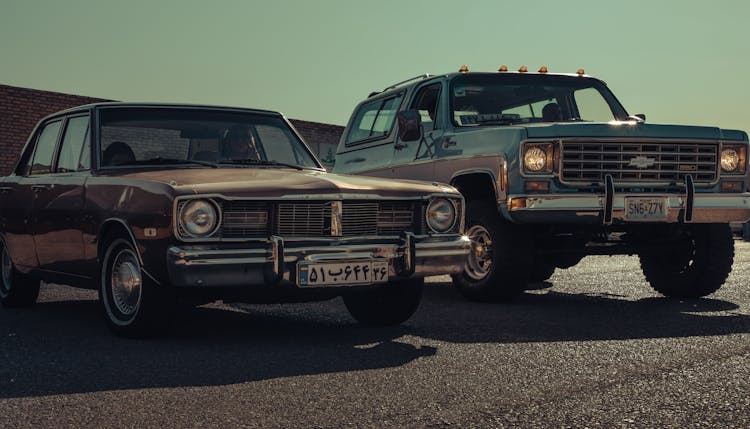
38,188
353,160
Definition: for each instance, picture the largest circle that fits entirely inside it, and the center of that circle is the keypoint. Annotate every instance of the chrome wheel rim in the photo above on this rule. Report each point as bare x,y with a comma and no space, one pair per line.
479,262
126,282
7,266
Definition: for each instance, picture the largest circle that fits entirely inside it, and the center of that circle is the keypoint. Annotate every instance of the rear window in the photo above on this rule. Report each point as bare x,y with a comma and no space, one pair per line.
374,120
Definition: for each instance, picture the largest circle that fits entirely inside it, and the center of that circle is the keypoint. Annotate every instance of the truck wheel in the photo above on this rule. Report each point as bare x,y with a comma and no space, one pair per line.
16,289
391,304
698,269
133,305
500,260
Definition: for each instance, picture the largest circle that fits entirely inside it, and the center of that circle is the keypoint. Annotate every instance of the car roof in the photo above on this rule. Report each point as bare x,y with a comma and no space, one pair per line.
123,104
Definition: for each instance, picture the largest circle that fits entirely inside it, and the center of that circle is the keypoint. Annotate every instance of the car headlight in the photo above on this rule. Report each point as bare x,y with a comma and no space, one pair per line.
441,215
730,160
537,158
199,218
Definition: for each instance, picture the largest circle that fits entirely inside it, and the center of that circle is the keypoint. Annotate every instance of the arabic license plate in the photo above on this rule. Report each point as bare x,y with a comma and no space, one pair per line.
310,274
639,208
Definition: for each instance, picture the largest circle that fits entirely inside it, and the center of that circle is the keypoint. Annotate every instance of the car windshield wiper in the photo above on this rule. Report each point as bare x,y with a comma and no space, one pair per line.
251,161
172,161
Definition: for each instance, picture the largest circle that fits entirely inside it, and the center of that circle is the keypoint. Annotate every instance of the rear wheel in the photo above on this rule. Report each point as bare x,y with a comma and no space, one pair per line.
391,304
499,263
133,305
16,289
698,267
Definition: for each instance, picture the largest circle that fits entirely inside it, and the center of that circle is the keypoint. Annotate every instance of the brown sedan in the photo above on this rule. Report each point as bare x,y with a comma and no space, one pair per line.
157,204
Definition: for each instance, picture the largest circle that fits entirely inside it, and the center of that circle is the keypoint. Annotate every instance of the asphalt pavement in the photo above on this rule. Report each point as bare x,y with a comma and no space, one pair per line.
593,347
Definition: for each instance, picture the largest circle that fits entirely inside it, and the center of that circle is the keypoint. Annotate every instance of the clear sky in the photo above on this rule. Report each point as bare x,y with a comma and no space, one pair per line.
678,61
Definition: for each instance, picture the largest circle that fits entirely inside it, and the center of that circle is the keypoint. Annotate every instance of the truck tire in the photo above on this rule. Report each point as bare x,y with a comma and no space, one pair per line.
16,289
391,304
134,306
501,257
698,270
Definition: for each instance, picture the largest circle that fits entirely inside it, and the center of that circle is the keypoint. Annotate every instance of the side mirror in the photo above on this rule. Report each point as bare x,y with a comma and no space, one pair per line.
409,125
640,117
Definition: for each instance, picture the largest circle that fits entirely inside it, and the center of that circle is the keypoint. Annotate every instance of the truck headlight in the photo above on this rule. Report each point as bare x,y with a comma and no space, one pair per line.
199,218
441,215
730,160
537,158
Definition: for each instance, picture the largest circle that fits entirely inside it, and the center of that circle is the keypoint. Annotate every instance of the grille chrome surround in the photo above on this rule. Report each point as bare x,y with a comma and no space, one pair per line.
638,161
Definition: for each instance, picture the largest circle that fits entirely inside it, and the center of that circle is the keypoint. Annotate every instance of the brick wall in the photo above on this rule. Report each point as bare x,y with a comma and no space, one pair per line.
22,108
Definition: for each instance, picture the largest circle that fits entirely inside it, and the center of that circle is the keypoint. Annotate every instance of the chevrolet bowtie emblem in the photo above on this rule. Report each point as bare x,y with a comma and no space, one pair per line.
641,161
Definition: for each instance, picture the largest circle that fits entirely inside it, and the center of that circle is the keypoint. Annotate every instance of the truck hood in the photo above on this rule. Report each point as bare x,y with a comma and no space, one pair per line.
630,129
277,182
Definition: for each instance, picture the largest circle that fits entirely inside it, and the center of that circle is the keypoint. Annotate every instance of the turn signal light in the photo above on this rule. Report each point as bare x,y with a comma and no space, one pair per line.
517,203
733,186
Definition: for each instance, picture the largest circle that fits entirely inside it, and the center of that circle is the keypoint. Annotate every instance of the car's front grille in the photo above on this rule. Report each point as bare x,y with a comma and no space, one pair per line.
243,219
634,161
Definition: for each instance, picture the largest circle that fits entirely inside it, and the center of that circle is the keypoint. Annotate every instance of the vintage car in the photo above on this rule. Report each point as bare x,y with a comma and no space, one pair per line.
553,168
157,204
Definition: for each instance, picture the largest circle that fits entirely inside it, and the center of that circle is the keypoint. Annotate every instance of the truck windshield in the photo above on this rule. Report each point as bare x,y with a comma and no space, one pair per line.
151,136
505,99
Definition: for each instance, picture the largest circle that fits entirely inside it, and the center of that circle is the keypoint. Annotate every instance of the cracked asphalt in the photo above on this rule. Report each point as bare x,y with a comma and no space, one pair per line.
593,347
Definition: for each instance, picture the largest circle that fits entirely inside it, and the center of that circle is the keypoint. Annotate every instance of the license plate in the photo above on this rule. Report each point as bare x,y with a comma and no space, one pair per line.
310,274
638,208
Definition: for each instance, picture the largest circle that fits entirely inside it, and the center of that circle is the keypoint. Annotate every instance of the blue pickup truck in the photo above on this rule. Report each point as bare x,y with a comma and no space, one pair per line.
554,168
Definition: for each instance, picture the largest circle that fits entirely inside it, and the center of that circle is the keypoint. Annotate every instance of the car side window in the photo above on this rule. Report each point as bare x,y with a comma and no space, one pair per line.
41,161
75,142
426,102
374,119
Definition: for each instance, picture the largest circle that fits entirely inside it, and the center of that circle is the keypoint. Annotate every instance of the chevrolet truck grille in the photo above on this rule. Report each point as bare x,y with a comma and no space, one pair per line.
584,162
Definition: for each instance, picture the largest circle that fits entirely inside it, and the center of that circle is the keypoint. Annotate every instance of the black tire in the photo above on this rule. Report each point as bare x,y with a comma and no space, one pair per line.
501,258
133,305
16,289
698,268
541,270
391,304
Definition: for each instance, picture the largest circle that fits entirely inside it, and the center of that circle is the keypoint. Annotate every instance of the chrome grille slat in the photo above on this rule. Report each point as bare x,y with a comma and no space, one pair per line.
241,219
670,161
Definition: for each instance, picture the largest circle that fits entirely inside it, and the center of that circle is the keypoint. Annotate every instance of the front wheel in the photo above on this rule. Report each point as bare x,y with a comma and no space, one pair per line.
16,289
391,304
133,305
698,266
499,264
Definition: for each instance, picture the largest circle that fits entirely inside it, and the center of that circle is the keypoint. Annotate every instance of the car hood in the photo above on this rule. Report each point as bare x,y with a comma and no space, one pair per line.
277,182
631,129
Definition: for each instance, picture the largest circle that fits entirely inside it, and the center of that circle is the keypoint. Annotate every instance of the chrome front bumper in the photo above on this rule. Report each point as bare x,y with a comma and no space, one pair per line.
273,261
609,207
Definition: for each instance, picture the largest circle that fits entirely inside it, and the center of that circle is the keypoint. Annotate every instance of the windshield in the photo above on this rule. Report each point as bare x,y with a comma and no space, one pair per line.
157,136
505,99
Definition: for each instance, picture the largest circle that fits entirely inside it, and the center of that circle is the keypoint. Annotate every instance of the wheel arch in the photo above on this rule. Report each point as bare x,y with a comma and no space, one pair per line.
479,184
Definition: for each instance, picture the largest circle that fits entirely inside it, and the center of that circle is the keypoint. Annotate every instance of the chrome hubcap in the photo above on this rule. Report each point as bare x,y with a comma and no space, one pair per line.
126,282
7,265
479,263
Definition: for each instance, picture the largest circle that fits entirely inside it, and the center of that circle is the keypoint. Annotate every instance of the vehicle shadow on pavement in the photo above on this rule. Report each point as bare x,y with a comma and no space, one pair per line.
64,347
556,316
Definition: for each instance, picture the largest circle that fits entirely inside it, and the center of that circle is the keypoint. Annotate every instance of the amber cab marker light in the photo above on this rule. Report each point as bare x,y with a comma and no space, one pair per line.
464,69
581,72
503,68
543,69
523,69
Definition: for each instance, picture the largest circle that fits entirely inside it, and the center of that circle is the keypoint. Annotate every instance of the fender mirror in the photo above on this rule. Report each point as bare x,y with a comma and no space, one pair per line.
409,125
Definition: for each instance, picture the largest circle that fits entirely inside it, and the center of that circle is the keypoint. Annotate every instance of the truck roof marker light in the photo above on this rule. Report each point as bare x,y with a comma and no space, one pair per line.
464,69
543,69
581,72
523,69
503,68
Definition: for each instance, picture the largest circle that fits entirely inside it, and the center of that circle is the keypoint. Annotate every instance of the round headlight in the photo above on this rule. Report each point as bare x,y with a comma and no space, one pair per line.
730,160
198,218
441,215
535,159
